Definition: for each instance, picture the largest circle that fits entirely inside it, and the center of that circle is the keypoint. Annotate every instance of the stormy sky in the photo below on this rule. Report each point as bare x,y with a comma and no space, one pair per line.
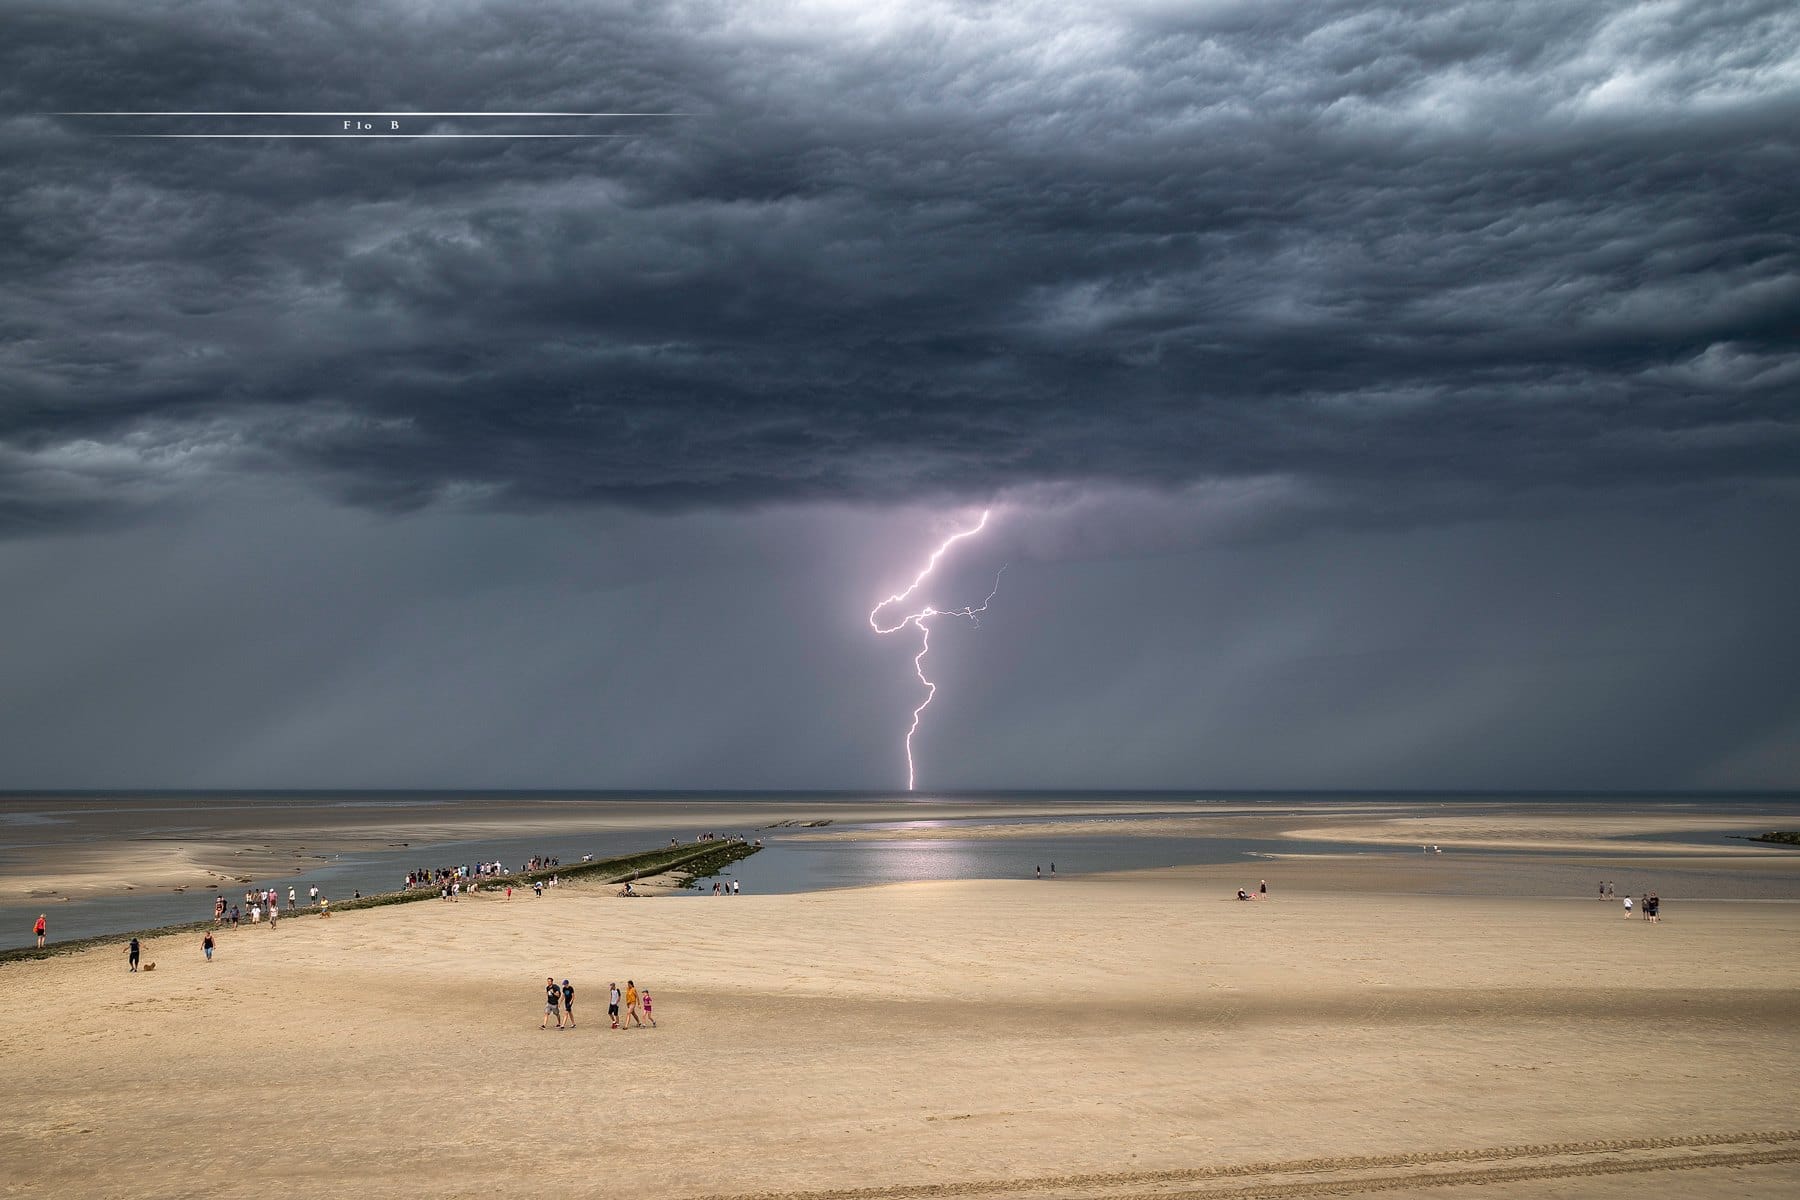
1367,395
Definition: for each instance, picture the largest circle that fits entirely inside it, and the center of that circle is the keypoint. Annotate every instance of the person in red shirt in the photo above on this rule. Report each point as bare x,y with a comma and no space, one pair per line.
39,929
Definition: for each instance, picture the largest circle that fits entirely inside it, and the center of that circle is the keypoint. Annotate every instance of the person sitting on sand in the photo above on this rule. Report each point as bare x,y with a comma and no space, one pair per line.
1242,894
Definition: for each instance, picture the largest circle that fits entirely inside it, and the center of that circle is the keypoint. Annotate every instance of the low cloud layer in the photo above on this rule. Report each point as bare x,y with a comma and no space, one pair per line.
1430,260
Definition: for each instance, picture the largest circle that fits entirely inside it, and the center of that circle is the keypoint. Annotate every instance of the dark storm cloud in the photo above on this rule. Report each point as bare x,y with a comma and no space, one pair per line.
1447,255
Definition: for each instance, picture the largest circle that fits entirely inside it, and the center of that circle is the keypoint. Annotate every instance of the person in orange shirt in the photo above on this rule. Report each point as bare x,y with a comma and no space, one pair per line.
631,1003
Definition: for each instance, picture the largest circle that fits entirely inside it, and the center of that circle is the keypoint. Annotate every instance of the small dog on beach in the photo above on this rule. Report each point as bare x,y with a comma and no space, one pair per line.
148,967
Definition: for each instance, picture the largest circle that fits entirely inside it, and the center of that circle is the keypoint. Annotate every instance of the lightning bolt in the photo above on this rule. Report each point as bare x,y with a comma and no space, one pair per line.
918,621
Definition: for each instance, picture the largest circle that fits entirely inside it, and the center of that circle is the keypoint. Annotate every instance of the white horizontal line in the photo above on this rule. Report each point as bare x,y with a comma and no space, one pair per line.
348,113
363,136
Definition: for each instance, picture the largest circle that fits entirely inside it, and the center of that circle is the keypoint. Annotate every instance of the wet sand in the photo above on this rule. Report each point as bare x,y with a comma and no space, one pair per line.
94,847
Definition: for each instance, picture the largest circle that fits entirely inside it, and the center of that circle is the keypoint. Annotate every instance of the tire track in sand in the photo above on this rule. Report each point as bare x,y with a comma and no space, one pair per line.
1350,1175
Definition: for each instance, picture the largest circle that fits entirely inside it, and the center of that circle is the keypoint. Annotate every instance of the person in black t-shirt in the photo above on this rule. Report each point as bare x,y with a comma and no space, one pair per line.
568,995
131,952
552,1003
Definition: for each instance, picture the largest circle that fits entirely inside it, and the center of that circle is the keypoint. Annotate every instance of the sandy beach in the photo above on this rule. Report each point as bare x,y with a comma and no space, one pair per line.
1139,1034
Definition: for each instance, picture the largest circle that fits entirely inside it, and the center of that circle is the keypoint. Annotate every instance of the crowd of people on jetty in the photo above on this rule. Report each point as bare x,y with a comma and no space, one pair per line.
467,873
264,904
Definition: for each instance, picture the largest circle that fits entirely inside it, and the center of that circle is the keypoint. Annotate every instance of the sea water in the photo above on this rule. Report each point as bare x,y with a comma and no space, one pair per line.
793,859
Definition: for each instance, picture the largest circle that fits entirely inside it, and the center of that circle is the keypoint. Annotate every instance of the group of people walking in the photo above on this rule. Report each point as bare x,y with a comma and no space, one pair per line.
559,1004
1648,906
261,903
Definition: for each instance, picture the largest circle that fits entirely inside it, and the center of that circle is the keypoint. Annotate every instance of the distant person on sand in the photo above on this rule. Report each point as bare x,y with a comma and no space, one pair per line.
612,1003
1628,908
131,954
1602,889
291,900
568,995
648,1015
206,944
552,1003
1262,887
1040,870
631,1003
39,929
312,894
